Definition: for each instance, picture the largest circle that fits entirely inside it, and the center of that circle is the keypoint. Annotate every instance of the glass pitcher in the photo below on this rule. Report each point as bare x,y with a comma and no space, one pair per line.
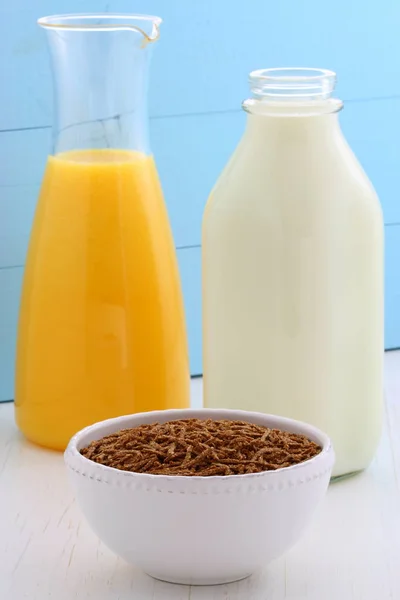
101,328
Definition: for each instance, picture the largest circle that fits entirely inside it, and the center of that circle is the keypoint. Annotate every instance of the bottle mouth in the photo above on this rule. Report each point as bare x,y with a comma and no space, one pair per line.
292,84
147,25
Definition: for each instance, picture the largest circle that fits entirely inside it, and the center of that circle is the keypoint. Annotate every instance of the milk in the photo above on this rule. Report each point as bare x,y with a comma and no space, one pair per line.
293,279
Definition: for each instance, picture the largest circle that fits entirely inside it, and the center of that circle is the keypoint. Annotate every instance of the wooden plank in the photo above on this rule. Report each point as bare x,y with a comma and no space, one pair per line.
23,156
190,153
190,270
372,129
10,287
208,48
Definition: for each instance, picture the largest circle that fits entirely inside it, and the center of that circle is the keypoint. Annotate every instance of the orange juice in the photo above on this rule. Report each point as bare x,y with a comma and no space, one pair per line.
102,328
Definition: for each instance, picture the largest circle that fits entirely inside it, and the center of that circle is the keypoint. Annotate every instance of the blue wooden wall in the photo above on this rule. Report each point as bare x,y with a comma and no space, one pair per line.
199,78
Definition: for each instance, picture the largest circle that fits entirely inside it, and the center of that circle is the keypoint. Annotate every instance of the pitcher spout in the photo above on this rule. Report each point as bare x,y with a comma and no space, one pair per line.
146,25
100,64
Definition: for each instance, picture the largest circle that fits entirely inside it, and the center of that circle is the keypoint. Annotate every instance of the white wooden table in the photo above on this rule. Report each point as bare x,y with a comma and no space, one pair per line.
47,551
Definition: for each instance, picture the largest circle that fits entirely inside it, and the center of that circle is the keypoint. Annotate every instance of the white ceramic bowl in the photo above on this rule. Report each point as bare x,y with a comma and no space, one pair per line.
199,530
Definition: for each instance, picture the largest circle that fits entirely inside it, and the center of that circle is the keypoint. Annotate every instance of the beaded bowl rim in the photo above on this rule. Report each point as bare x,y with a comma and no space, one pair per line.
316,466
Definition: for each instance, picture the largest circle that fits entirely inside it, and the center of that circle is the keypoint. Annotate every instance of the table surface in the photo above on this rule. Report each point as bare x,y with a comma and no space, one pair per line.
47,551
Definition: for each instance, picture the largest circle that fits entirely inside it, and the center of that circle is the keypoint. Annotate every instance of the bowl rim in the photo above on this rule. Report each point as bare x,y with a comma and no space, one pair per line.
72,453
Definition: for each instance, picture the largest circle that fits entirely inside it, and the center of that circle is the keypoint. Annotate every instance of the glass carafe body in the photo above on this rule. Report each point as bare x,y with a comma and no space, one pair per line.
101,329
293,270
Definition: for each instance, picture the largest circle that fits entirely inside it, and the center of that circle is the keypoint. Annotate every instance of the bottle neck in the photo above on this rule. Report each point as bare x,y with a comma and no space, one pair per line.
286,127
100,71
297,94
293,102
